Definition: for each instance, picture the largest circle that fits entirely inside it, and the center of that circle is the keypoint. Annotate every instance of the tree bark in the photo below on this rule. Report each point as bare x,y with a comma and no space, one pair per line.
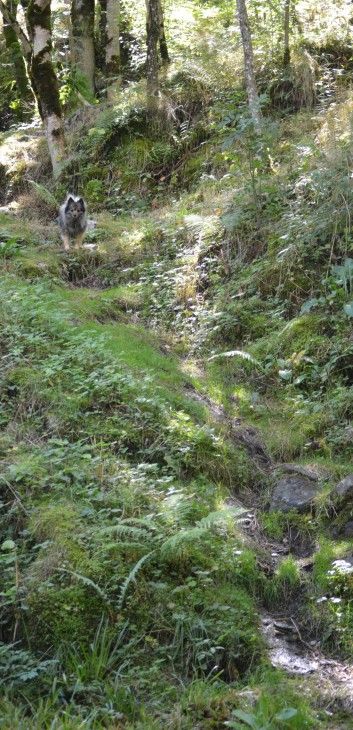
82,46
44,80
250,81
102,35
162,39
112,49
286,53
11,20
152,28
24,41
16,52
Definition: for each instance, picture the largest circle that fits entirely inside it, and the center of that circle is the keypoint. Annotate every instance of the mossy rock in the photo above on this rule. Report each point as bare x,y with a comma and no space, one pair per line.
192,169
342,525
78,264
29,269
69,613
242,321
301,333
59,523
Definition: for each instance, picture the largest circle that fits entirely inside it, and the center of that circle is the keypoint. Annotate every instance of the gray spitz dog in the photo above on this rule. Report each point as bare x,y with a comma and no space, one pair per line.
73,220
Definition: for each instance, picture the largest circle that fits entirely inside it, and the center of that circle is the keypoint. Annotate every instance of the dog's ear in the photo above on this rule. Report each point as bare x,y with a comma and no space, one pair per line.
82,203
68,203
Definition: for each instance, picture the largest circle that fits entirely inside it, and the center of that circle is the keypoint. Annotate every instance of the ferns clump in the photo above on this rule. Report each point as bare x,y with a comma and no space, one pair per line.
295,86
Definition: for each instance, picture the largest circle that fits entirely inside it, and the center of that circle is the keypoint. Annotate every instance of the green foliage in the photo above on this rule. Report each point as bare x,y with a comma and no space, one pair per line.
124,578
20,670
45,195
8,245
262,718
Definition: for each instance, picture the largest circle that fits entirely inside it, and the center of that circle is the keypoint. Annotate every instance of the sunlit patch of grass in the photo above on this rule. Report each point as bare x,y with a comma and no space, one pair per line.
103,305
135,347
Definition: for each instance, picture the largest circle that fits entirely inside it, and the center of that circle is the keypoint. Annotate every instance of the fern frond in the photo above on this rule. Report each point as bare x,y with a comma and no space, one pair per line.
222,515
44,194
126,545
147,523
182,509
238,353
131,533
174,545
86,581
132,576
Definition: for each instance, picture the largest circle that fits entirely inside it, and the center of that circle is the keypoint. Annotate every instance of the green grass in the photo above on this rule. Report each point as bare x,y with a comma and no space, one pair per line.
111,469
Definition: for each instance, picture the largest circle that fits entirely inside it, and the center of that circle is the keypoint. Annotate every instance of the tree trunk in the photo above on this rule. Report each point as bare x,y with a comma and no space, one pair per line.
162,39
82,46
11,20
16,51
152,28
250,81
44,80
25,43
101,42
286,53
112,49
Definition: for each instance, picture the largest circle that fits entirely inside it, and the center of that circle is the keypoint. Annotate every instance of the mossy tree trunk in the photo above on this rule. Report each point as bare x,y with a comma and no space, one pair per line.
27,48
152,29
82,45
112,49
250,81
101,35
162,39
286,53
44,80
10,19
16,52
163,47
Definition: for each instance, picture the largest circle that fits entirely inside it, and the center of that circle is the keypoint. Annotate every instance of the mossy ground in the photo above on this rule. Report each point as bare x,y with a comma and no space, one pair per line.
130,593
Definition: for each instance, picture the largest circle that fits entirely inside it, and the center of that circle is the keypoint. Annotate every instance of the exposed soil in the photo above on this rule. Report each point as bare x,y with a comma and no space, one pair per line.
329,681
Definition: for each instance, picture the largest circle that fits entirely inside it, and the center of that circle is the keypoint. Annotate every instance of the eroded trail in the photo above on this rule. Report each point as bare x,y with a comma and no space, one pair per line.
328,681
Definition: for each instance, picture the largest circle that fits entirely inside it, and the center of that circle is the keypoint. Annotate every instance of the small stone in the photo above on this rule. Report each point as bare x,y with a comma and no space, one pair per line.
343,491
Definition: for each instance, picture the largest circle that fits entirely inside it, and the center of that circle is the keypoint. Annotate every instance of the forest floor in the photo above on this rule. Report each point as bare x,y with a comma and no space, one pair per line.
59,280
153,385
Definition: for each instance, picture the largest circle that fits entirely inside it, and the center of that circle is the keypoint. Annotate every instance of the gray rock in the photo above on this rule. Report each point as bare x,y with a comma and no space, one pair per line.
305,471
294,492
343,491
347,530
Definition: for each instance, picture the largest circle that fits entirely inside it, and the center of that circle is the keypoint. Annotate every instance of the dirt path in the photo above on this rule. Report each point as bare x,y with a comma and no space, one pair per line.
327,683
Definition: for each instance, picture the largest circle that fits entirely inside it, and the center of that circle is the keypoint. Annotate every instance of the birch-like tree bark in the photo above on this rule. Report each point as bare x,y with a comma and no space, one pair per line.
112,49
250,81
152,28
13,44
44,80
82,43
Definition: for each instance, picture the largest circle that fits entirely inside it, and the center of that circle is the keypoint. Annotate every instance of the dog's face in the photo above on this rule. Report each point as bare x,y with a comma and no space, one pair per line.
75,209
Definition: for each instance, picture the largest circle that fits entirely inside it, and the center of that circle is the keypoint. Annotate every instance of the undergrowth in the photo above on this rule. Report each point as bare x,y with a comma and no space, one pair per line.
130,593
